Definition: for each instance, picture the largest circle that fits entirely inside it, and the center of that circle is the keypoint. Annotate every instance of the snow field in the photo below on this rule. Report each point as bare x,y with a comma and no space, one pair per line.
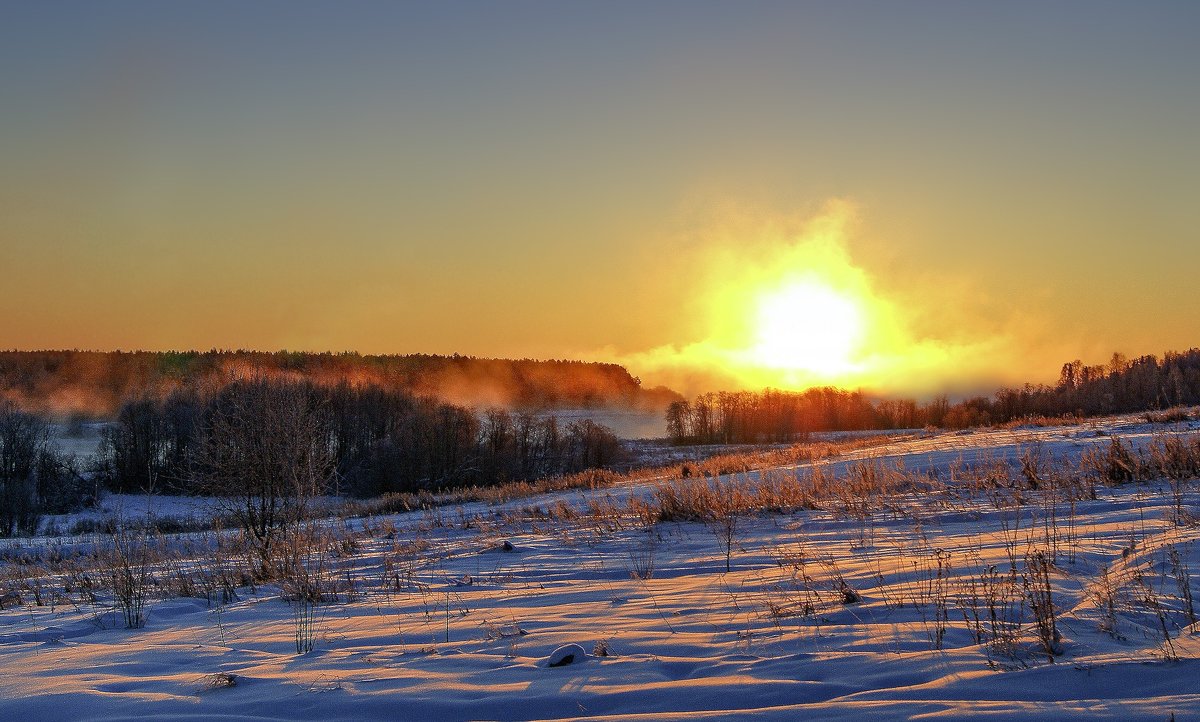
917,602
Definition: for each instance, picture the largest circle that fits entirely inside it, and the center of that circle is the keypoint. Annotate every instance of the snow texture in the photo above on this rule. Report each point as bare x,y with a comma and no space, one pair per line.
430,623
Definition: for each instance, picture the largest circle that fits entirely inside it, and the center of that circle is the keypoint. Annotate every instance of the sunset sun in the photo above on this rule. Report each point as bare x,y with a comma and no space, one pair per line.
808,326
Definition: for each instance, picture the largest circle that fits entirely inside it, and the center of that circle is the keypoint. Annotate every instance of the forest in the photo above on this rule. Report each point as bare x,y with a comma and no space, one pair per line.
188,424
96,383
374,440
772,416
297,439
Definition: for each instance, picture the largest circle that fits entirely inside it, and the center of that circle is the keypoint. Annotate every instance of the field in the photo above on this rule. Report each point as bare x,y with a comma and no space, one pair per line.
1008,573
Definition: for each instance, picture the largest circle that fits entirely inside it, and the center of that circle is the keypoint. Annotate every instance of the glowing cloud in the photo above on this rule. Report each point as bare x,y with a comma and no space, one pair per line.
784,305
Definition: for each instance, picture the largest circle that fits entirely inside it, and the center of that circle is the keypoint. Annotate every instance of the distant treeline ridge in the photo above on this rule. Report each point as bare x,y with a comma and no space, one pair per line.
97,383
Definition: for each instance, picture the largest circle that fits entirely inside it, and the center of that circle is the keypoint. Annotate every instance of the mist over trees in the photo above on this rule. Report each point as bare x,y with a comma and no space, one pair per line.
375,440
773,416
98,384
382,438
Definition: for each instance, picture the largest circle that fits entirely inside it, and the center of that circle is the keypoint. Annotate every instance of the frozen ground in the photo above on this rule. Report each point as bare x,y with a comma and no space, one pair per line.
435,619
626,423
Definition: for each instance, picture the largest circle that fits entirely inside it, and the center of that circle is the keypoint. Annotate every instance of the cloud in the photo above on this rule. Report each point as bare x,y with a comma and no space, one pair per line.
917,339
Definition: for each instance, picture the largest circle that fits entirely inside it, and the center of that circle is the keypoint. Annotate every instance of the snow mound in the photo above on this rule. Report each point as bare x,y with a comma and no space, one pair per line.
566,654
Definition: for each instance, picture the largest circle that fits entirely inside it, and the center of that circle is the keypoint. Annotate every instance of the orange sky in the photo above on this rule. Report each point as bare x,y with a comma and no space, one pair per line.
998,190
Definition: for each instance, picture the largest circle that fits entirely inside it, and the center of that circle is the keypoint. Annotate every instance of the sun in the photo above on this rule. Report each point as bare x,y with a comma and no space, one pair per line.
809,326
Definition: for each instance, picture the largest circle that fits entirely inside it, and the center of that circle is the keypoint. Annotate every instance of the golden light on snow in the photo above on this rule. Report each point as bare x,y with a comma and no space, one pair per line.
808,325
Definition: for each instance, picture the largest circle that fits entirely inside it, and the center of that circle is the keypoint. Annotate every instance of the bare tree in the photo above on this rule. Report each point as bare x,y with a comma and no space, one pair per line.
265,451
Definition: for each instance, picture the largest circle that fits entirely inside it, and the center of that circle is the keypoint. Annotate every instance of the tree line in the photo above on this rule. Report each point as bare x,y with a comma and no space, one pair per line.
774,416
1119,386
377,440
97,384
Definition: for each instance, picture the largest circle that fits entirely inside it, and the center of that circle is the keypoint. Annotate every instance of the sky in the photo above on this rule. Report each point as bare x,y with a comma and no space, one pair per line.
993,188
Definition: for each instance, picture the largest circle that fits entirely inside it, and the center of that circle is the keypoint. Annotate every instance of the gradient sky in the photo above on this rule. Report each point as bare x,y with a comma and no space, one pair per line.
558,179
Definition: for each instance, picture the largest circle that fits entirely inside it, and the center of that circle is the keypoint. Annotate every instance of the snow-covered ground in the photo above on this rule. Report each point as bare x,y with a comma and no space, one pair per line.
81,441
923,605
625,423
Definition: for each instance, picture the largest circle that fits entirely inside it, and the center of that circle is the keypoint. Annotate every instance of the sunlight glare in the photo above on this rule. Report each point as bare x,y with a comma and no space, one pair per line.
808,326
